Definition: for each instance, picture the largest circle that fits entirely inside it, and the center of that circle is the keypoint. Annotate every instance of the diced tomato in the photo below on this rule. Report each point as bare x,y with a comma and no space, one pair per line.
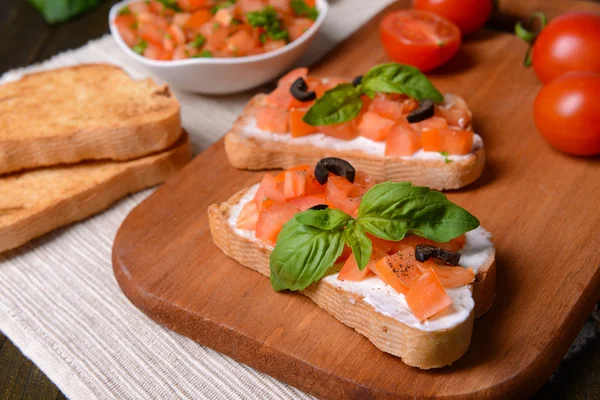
151,32
427,296
272,119
455,111
289,78
344,131
198,18
402,141
273,45
341,194
381,244
374,127
180,53
362,183
456,141
431,139
298,27
410,242
313,186
224,16
192,5
350,271
386,108
180,19
240,43
177,33
294,184
430,123
404,265
384,270
298,127
248,217
452,277
247,6
269,188
138,7
308,201
345,254
157,52
280,98
271,221
280,5
125,24
453,245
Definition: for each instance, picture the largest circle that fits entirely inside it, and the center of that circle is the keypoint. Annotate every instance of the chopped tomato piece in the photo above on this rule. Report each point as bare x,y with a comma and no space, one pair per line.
430,123
224,16
156,52
294,184
452,277
191,5
125,25
344,131
269,188
341,194
271,221
248,217
345,254
272,119
404,265
456,141
280,5
138,7
247,6
298,27
313,186
381,244
289,78
386,108
150,32
298,127
402,141
431,140
453,245
273,45
427,296
280,98
374,127
306,202
197,19
362,183
240,43
350,271
384,270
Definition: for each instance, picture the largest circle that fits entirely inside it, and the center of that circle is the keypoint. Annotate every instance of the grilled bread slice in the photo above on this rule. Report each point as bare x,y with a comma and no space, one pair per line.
250,152
38,201
424,349
85,112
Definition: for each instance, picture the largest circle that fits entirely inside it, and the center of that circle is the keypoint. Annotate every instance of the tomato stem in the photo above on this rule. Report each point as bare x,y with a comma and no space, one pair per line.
529,36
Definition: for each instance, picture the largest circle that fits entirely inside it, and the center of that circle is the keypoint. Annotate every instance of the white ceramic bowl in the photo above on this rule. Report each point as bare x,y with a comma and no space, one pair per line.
223,75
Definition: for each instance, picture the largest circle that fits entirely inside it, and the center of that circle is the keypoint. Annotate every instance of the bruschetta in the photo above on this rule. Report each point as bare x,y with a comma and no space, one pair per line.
399,263
392,123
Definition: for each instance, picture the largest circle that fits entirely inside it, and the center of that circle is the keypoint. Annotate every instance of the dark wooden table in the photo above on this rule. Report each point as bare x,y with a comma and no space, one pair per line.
25,39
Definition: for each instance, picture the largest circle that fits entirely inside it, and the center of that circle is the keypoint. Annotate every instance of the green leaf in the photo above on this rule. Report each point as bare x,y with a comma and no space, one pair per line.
445,155
303,255
198,41
55,11
399,78
302,9
125,11
269,20
172,4
140,47
203,54
355,237
328,219
393,210
337,105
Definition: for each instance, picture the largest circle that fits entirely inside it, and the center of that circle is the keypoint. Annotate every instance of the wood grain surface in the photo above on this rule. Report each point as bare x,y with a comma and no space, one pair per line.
539,204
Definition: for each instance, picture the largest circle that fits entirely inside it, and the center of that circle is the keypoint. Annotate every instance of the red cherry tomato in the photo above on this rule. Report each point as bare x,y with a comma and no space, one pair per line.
468,15
419,38
567,113
570,42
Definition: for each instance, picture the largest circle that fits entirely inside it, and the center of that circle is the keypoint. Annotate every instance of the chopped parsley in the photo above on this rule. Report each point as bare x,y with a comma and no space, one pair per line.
170,4
224,4
263,38
140,47
446,159
236,21
302,9
269,21
198,41
203,54
125,11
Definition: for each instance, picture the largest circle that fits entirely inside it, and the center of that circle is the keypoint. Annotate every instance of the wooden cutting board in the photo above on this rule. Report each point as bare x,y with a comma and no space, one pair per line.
541,206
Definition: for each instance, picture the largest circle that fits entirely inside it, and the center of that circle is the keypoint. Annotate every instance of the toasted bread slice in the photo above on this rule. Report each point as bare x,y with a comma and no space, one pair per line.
86,112
250,152
38,201
424,349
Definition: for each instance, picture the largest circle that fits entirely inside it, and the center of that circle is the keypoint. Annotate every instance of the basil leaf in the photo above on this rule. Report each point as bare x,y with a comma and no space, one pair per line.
55,11
302,9
400,78
303,255
337,105
392,210
355,237
328,219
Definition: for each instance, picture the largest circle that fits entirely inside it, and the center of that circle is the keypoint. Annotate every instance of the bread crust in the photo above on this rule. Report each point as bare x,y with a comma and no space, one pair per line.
36,202
415,347
85,112
255,154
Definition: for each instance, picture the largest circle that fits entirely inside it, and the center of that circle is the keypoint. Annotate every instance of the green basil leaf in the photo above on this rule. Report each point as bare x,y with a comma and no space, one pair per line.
303,255
328,219
355,237
337,105
400,78
55,11
393,210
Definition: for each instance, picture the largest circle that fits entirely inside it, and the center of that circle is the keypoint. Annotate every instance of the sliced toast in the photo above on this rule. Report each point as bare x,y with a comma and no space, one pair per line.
35,202
416,347
85,112
249,152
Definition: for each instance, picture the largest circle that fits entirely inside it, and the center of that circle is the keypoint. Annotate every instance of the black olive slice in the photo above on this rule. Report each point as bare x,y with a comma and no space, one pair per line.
319,207
424,252
299,90
357,81
424,111
336,166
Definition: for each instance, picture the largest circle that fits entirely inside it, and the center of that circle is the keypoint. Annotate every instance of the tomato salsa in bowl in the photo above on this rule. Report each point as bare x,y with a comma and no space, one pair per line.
216,46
